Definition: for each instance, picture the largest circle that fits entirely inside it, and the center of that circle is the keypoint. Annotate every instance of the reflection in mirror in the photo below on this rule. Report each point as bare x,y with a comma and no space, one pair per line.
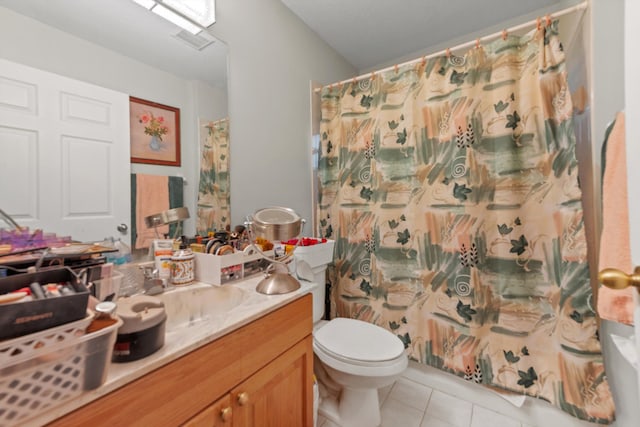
129,50
214,212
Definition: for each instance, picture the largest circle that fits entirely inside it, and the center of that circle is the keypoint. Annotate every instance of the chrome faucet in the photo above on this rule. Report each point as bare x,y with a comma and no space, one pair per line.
153,284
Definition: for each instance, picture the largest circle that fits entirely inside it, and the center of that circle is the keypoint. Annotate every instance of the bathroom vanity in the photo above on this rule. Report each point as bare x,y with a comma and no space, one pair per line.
252,366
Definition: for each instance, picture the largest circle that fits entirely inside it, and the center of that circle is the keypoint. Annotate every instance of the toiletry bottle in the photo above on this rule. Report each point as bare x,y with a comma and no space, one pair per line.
123,253
105,315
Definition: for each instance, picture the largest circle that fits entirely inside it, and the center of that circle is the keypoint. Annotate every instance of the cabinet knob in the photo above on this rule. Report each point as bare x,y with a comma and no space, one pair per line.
225,414
616,279
243,398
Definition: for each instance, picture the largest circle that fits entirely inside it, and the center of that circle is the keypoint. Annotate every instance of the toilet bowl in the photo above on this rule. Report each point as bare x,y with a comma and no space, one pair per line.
353,359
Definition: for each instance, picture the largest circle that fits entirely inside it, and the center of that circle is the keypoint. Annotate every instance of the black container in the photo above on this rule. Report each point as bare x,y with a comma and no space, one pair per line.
142,331
22,318
136,345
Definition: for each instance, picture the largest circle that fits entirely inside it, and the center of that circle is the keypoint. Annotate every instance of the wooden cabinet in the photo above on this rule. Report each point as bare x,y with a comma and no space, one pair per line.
271,397
219,414
262,372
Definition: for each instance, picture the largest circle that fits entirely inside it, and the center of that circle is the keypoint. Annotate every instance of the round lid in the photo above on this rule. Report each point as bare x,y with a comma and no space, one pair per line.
105,309
140,312
358,340
275,216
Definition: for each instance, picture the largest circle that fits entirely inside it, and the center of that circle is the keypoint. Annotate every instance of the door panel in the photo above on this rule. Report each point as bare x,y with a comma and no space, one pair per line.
218,414
19,167
280,394
64,153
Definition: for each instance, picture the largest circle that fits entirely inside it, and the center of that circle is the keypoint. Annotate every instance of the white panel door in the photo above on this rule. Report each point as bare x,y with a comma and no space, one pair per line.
64,154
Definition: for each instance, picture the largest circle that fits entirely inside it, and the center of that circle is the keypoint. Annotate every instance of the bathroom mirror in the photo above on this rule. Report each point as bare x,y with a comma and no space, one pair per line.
124,48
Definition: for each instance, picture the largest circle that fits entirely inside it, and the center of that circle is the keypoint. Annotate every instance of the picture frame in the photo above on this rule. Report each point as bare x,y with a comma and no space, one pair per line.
154,132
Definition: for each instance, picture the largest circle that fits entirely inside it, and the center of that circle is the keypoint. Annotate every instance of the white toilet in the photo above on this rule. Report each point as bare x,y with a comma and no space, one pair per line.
353,359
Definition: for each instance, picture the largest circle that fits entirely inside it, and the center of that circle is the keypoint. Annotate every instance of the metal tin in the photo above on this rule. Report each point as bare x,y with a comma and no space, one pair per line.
182,267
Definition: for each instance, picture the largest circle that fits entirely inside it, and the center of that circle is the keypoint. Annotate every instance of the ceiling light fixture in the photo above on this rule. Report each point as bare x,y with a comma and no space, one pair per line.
191,15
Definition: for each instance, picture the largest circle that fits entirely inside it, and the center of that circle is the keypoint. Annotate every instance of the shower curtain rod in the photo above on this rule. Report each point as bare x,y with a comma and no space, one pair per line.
475,42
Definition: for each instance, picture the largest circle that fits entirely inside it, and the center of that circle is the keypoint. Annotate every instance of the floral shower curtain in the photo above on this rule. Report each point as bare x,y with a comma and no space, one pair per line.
213,189
450,187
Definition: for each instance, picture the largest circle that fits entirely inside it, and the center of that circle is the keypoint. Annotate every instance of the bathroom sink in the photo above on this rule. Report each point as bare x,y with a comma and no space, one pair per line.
199,302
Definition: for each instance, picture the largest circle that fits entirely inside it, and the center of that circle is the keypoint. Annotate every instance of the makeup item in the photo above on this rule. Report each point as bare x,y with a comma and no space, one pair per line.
13,297
51,290
197,247
36,290
224,250
66,290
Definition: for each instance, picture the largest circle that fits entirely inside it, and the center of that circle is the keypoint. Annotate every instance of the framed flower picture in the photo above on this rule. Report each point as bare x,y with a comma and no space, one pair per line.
155,133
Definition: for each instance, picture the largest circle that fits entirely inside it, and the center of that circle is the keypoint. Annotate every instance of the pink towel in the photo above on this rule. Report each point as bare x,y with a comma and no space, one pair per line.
152,197
615,248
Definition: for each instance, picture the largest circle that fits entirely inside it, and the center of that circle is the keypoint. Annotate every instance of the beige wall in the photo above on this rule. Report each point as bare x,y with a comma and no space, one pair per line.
273,57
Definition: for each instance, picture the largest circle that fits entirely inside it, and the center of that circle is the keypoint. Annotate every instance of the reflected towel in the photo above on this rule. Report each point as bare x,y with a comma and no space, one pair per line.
152,197
615,248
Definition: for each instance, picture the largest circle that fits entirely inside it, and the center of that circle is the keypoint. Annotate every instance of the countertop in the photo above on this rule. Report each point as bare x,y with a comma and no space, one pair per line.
182,341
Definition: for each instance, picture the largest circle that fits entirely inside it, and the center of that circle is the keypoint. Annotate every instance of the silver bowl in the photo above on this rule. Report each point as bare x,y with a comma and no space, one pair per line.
276,223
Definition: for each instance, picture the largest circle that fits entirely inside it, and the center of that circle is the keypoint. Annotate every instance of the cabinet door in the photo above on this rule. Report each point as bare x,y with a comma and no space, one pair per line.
280,394
219,414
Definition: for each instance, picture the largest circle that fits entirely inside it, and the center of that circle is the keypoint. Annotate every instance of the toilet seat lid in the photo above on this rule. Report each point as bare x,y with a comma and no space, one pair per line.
358,340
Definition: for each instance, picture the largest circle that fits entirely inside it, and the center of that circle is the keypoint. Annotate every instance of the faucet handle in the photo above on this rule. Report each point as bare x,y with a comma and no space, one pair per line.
149,272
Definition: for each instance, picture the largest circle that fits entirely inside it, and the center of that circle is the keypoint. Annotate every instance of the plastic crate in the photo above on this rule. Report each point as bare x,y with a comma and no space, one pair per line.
48,368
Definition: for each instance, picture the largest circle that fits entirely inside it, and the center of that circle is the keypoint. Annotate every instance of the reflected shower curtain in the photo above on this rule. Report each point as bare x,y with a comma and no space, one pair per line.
450,187
213,188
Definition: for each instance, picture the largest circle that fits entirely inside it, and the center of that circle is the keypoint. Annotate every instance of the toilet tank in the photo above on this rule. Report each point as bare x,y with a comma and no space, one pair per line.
318,293
318,256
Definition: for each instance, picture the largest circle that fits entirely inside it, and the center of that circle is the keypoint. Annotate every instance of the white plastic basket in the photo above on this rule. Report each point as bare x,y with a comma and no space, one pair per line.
28,346
318,257
48,368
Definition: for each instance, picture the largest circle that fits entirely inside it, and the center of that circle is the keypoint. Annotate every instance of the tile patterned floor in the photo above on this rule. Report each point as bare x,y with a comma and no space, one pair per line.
408,403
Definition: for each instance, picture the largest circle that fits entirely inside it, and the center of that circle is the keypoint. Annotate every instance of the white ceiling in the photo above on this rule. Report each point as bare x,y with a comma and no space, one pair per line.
125,27
368,33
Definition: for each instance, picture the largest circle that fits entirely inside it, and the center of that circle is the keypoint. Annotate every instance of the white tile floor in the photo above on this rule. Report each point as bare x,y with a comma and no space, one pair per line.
411,403
408,403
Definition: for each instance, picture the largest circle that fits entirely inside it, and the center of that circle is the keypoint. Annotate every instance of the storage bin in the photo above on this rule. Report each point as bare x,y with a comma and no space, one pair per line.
42,370
220,269
102,288
318,256
22,318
